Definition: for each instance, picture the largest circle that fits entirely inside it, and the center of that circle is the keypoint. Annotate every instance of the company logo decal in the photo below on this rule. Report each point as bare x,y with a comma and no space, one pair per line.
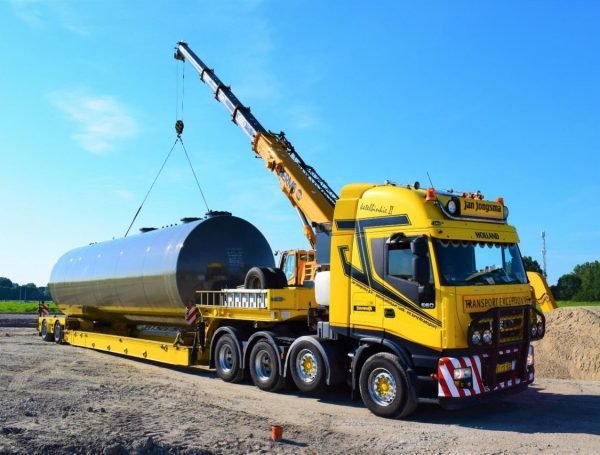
482,302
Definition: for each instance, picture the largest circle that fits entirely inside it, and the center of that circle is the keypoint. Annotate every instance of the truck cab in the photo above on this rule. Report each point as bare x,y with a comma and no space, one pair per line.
438,278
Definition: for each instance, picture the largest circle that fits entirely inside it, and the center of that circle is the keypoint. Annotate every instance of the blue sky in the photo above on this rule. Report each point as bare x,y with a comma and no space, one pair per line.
502,97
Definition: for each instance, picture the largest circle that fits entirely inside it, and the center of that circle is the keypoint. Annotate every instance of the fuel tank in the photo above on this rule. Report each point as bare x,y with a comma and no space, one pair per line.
148,278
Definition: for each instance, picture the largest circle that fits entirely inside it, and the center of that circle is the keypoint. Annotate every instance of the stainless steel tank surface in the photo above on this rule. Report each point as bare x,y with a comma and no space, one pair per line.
148,278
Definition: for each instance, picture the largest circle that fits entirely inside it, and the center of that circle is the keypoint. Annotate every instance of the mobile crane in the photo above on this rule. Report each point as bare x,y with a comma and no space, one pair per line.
309,194
420,296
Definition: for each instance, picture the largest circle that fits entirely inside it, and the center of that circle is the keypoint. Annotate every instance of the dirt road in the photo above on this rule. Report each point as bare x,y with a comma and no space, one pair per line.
62,399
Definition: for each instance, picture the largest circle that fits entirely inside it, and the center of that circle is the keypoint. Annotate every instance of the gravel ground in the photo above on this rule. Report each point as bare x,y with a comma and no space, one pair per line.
63,399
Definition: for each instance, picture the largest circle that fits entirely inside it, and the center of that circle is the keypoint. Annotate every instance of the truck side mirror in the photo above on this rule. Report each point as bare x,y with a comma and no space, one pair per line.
419,246
420,262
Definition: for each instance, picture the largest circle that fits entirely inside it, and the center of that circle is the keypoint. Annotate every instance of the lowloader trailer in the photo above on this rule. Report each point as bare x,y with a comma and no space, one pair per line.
418,295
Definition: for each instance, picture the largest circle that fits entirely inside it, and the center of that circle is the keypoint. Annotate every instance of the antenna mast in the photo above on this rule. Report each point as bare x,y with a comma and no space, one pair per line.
544,254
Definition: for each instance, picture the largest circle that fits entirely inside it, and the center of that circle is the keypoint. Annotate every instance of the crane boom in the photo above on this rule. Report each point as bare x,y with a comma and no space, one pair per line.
308,193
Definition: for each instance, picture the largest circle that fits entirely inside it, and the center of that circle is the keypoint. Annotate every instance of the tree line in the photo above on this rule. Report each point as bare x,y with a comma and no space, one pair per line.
15,291
581,285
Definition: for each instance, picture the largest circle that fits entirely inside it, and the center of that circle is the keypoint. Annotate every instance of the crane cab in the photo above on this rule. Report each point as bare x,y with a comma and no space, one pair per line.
298,266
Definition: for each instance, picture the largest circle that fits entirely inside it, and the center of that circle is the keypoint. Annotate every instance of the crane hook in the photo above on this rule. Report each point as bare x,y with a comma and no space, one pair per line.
179,127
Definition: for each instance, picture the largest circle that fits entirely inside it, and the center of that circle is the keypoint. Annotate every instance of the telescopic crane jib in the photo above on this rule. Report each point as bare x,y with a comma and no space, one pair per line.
308,193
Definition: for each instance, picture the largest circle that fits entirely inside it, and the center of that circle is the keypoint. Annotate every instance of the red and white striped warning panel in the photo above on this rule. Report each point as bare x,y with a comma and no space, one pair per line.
191,314
43,309
446,366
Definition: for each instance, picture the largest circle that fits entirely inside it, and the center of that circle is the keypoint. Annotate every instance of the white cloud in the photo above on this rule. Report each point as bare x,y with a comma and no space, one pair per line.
38,13
29,11
124,195
303,117
100,119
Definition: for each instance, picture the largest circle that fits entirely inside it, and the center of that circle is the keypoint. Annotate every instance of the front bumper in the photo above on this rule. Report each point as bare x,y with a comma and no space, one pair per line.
508,371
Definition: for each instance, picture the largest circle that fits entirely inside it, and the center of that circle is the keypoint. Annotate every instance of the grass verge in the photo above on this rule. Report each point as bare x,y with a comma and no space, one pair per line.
16,306
569,303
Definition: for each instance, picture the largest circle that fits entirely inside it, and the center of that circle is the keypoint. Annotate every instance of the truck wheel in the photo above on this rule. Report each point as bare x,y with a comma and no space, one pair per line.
46,336
227,361
58,333
308,368
264,367
385,388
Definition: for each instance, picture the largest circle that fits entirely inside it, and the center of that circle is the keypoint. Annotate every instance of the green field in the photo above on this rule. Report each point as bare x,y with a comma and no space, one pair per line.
16,306
568,303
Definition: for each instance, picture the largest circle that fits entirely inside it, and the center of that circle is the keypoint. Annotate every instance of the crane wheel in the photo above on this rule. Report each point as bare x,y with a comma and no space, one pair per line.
265,278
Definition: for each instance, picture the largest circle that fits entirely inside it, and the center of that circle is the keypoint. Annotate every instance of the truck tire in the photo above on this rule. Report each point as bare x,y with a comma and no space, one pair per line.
227,360
46,336
58,333
265,278
264,367
307,368
385,387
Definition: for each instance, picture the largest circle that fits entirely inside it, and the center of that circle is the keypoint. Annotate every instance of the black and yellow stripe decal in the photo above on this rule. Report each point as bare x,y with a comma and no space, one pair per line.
366,277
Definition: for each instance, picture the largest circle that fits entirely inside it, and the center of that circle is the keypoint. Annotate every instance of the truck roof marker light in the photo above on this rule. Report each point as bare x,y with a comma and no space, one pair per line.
500,200
430,195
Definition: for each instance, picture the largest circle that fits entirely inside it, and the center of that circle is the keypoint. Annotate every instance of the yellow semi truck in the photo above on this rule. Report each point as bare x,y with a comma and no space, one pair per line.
410,295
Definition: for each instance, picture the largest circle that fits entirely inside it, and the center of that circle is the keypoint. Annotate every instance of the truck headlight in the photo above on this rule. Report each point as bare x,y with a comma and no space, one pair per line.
462,373
530,359
487,336
540,329
476,337
534,330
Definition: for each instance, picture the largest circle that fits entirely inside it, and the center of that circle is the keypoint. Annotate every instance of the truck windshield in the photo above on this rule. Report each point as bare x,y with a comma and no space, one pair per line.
464,263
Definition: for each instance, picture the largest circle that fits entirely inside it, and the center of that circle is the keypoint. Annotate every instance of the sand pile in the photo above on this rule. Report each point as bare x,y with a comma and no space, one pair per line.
571,346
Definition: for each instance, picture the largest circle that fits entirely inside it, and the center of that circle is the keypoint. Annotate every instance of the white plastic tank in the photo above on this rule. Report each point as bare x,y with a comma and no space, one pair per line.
322,288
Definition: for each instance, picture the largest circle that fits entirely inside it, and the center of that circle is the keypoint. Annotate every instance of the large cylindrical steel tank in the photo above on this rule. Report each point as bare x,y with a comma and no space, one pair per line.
148,278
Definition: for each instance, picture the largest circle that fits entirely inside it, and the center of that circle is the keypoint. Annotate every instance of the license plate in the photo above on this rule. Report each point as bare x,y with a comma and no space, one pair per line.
504,367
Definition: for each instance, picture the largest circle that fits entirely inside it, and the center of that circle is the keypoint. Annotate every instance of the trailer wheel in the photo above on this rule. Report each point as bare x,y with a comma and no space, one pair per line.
58,333
264,367
46,336
385,388
227,361
307,368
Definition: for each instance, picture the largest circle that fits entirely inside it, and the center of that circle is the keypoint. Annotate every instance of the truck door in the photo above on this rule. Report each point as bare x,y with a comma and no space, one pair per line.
398,288
398,273
366,310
